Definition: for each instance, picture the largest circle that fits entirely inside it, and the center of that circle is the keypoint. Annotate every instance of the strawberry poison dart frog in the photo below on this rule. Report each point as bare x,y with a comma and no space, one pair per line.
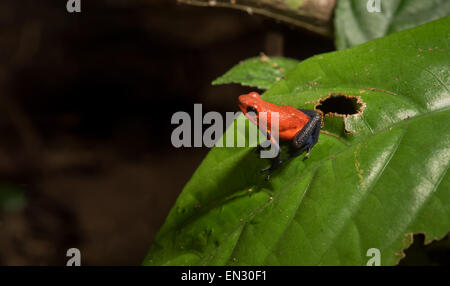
299,126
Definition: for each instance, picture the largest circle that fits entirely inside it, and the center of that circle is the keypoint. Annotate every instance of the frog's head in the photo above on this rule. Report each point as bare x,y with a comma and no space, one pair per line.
250,104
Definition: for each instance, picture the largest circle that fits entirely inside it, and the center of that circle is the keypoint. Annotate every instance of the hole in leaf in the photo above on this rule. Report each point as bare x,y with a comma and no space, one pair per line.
340,105
435,253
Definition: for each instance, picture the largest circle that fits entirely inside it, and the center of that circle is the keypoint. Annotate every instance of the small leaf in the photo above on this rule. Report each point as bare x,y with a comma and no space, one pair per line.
355,25
370,188
261,72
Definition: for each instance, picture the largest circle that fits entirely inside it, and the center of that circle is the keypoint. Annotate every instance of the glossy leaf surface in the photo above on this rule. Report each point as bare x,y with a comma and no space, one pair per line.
373,179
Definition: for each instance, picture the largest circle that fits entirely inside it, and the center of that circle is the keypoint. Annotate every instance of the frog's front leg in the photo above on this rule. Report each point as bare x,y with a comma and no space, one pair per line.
268,144
276,161
263,146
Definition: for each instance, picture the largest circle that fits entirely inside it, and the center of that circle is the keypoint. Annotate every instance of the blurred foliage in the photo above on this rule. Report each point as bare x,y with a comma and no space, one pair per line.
311,15
12,198
355,25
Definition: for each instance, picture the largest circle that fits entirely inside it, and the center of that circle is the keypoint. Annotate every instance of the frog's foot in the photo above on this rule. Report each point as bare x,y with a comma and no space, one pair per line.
307,154
269,171
276,162
260,147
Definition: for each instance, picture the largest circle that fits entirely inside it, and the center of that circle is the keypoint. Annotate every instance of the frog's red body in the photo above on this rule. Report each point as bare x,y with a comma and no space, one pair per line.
290,120
300,126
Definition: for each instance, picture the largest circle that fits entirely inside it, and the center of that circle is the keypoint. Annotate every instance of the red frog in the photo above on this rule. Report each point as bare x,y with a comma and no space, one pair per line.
299,126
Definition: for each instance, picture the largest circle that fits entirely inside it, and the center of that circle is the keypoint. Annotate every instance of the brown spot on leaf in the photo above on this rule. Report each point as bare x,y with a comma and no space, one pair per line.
330,134
382,90
407,241
316,101
264,58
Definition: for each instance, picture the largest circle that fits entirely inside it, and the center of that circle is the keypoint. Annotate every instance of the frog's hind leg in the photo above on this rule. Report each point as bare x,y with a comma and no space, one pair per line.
309,135
304,140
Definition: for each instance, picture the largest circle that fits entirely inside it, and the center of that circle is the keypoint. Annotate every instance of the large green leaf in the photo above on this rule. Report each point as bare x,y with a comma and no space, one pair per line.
355,25
370,188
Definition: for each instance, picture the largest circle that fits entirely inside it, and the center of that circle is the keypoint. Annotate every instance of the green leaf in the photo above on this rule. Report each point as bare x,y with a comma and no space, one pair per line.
261,72
12,198
368,189
355,25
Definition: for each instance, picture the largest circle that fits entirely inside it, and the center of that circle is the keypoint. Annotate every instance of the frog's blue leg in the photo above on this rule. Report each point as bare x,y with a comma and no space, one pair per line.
309,135
303,141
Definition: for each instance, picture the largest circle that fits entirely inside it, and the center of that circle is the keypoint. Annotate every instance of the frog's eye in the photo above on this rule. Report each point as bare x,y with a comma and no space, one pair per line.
252,109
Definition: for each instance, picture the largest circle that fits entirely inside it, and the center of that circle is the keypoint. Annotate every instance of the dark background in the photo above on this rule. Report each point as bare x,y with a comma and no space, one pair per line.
85,106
